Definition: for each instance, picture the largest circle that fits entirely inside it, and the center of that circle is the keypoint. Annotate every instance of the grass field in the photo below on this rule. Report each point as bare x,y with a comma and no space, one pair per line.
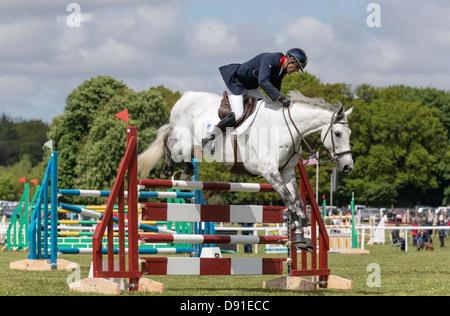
417,273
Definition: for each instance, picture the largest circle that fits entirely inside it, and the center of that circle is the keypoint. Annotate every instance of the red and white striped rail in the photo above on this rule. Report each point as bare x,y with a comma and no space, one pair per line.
206,186
212,213
213,239
211,266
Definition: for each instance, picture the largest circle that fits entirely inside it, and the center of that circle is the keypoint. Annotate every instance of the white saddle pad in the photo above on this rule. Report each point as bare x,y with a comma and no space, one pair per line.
214,120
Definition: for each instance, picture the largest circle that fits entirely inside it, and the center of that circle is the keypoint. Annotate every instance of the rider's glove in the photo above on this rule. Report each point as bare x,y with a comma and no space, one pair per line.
285,101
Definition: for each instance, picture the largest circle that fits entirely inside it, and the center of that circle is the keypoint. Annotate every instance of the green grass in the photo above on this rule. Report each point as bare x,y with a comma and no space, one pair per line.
414,273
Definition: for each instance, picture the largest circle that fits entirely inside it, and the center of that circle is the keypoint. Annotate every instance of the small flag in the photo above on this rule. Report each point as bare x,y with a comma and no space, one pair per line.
49,144
123,115
23,180
312,161
35,181
198,154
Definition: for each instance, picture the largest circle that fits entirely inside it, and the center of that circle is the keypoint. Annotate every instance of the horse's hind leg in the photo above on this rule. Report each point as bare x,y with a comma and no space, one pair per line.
180,145
167,170
188,171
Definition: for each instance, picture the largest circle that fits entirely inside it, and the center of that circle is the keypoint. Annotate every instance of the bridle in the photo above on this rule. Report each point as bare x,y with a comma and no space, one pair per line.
334,155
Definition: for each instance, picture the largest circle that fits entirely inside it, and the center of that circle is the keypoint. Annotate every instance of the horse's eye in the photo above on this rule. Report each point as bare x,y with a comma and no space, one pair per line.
338,134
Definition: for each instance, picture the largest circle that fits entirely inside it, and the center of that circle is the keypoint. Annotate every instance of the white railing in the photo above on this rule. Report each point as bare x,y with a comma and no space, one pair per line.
3,230
363,230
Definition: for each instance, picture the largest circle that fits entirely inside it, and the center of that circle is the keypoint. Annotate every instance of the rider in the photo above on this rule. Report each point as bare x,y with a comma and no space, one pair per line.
267,71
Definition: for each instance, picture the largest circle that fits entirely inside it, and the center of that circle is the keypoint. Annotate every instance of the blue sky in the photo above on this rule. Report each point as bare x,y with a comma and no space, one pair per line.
181,43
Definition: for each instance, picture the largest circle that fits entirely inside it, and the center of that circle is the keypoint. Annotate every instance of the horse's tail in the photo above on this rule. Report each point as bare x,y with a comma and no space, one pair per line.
148,159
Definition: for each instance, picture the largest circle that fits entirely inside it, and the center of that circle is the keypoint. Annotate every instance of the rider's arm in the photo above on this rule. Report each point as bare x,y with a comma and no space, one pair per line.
268,65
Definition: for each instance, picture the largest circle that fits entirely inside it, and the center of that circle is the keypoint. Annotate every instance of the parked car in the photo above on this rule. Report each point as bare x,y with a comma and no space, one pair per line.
2,206
9,209
365,215
370,212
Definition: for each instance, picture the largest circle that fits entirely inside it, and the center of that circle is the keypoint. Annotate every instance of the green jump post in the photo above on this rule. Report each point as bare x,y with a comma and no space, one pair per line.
20,217
354,232
324,207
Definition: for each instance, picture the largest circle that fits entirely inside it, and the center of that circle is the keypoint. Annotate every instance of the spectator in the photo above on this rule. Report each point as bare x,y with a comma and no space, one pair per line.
391,215
414,233
396,238
442,233
423,238
335,221
247,247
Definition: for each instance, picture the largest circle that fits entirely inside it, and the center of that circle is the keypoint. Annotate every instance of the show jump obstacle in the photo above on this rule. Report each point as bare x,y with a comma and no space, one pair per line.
314,265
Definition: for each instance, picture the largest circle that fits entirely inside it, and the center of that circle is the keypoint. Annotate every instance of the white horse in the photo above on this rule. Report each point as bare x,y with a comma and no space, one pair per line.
270,147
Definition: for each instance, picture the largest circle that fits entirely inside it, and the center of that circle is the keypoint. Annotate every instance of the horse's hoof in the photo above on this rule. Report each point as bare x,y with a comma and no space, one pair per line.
303,243
167,173
160,175
181,176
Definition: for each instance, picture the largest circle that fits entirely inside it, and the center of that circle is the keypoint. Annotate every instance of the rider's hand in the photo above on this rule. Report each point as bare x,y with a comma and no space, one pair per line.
285,101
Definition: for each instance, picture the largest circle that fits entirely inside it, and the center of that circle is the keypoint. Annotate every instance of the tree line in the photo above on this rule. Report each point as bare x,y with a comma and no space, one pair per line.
21,153
399,140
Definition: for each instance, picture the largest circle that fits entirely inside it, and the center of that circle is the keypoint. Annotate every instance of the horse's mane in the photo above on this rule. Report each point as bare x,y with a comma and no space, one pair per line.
297,96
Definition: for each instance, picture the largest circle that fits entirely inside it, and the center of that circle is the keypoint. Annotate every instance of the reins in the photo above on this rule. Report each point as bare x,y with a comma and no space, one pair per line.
311,151
296,151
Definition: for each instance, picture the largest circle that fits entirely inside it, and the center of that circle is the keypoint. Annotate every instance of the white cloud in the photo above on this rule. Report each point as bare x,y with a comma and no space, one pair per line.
109,53
312,35
213,38
410,48
148,43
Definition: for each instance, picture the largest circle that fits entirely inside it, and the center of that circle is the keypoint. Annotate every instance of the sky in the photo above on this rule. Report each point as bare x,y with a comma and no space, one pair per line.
48,48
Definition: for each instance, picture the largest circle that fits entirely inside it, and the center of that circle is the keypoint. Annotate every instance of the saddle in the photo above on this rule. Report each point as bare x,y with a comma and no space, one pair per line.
224,109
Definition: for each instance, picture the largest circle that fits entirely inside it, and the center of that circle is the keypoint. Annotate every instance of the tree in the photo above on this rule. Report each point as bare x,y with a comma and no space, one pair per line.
9,144
91,141
7,189
32,135
396,142
106,142
70,130
169,96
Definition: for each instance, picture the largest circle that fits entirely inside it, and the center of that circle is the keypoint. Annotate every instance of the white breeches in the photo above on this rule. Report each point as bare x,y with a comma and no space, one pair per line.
237,101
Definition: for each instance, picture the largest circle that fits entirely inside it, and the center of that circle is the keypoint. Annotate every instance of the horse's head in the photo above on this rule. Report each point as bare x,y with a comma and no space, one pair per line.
336,138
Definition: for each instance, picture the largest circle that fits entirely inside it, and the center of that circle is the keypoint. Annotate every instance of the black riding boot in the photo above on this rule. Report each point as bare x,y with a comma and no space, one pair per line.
208,143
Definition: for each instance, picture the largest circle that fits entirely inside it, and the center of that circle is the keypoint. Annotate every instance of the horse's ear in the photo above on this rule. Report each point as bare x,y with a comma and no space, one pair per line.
349,112
340,114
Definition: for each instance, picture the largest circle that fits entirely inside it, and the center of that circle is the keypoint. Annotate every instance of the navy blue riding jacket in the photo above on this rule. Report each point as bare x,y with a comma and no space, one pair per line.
265,71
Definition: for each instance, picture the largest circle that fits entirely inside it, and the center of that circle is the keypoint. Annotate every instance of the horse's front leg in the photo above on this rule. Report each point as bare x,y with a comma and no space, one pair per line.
287,188
298,218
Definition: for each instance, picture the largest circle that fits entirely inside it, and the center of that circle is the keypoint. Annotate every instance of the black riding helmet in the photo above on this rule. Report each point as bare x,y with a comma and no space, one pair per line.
299,57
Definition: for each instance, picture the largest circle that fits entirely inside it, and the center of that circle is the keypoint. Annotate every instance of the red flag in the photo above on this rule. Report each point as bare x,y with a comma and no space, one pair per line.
35,181
123,115
23,180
